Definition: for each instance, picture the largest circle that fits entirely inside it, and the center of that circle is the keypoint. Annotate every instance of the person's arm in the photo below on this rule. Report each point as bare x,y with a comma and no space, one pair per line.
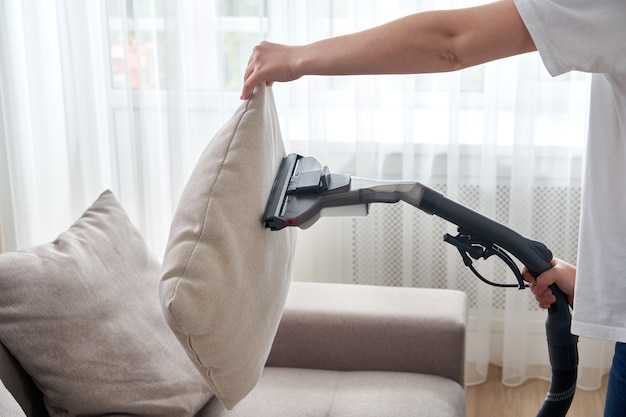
432,41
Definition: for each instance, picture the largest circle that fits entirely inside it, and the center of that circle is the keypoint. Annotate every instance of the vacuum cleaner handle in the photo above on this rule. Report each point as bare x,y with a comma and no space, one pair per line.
562,345
534,255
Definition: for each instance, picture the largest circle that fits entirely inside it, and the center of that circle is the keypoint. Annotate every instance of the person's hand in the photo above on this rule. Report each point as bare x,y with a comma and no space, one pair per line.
562,274
268,63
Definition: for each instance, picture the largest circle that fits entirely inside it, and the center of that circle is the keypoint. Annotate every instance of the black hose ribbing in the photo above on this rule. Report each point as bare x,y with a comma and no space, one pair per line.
560,394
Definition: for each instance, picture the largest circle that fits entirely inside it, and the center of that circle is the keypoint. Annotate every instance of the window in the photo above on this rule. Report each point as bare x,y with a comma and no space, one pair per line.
213,37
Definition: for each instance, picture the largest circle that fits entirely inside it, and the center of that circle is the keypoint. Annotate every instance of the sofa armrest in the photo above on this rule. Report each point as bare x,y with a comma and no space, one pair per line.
369,328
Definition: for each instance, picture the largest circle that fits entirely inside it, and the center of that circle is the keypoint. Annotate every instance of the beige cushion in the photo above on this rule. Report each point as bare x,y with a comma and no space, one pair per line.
82,316
225,276
8,406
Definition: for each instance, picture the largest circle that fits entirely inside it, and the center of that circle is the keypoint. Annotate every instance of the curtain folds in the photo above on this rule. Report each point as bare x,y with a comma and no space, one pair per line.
125,95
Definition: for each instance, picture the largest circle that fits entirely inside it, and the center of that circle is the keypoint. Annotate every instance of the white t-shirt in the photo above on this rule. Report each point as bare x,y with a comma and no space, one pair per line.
590,36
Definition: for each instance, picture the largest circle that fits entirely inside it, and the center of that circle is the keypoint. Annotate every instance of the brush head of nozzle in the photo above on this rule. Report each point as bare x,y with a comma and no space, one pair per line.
299,183
278,196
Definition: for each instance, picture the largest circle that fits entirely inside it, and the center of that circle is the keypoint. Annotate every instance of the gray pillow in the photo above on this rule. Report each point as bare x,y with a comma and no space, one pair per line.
8,406
225,277
82,316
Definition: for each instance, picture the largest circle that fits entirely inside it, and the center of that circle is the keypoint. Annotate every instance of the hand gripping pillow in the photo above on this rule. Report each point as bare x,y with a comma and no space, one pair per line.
82,316
225,276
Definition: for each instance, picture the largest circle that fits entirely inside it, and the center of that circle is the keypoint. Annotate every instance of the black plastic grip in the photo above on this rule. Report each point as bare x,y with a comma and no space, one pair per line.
561,343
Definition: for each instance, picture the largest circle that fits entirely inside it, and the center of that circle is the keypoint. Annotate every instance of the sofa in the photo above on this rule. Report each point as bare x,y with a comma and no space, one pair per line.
342,350
93,324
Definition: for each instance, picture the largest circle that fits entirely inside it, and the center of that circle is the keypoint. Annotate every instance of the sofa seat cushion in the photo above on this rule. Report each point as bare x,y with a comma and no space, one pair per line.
294,392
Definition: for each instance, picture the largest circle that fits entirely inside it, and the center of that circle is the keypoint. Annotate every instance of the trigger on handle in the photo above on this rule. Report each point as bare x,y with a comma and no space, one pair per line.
471,247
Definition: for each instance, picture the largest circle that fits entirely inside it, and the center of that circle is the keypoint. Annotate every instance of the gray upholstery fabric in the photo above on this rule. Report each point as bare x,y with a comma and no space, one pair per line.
225,276
291,392
359,327
350,350
82,316
288,392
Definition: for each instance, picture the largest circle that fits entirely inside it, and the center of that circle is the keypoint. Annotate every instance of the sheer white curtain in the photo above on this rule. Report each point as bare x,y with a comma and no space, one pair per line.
125,94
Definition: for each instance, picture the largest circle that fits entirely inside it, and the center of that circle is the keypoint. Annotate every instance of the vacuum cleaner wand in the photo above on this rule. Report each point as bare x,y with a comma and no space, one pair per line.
304,190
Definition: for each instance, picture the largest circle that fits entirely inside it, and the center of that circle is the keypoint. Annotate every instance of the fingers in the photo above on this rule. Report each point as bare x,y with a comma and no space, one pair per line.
543,295
528,277
251,75
546,279
562,274
270,63
246,91
248,84
248,87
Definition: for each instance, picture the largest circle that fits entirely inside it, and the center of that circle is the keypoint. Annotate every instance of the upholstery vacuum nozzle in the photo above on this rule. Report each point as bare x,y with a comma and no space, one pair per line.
299,194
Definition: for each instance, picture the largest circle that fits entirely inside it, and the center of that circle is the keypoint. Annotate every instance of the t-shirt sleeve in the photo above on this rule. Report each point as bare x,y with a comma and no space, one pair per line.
582,35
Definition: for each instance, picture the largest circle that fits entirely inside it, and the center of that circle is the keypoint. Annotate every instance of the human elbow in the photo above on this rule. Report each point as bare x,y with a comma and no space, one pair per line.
450,59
